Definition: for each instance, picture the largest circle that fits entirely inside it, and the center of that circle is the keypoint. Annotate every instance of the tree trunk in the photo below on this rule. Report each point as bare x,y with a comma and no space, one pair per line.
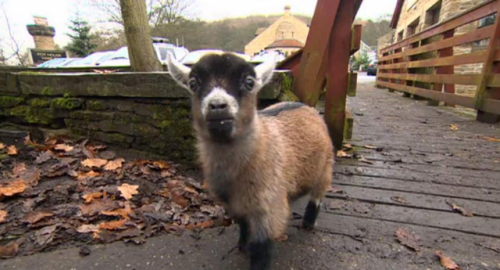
140,46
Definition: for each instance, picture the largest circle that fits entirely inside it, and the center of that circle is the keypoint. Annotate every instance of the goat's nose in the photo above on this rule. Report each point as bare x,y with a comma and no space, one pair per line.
217,106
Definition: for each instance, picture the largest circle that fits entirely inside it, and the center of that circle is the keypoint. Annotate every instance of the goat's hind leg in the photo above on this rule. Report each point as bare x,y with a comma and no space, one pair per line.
317,194
260,247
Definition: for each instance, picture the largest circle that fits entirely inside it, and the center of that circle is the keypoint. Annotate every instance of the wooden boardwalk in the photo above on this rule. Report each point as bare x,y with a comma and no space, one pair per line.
420,165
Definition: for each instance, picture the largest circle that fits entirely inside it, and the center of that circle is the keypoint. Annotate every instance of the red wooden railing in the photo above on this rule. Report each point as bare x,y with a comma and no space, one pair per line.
324,61
396,69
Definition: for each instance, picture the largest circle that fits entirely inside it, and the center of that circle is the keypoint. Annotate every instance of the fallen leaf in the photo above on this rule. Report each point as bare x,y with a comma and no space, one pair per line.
52,141
491,139
127,191
162,165
341,154
363,159
45,235
408,239
370,147
335,189
19,169
123,212
64,147
97,206
94,162
108,155
82,176
460,209
12,150
10,250
86,151
399,199
347,146
454,127
12,188
34,217
3,216
114,165
112,225
89,197
2,146
87,228
447,261
178,198
44,157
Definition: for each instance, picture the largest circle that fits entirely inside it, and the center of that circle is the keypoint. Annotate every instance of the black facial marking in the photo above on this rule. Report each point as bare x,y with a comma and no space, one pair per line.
282,107
226,71
221,130
312,211
261,254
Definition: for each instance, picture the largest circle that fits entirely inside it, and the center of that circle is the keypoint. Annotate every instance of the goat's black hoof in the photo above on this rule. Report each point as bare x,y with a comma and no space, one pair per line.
243,248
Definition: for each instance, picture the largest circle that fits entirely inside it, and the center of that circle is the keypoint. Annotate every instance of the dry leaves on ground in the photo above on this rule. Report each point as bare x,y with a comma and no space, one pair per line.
9,250
12,188
399,199
64,147
114,164
447,261
341,154
2,146
89,197
94,162
3,216
127,191
408,239
454,127
12,150
34,217
112,225
460,209
364,160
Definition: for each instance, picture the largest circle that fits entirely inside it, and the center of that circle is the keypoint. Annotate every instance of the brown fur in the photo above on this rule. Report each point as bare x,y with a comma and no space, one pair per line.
283,157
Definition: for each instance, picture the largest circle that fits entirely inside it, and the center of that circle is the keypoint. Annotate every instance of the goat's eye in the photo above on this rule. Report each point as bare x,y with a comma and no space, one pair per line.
193,84
249,84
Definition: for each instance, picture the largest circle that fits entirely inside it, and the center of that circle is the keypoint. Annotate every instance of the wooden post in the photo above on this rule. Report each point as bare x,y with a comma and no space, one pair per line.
490,67
338,61
449,88
308,83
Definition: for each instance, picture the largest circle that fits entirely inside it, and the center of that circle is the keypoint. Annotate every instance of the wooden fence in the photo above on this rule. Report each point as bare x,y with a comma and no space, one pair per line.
323,64
398,65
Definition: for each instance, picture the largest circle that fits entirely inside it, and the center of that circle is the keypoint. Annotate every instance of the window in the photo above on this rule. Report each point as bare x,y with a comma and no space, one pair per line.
401,35
413,28
432,15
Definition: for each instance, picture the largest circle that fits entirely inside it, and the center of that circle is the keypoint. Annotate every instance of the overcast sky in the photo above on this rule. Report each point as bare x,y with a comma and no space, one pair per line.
59,12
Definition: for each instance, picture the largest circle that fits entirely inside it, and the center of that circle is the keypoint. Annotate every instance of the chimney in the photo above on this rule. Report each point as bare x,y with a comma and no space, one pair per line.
42,33
287,10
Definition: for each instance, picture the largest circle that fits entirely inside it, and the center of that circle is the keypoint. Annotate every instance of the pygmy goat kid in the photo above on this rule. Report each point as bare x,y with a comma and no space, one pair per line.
255,163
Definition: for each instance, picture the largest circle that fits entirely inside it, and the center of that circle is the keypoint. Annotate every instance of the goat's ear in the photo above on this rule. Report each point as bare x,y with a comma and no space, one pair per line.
264,71
178,71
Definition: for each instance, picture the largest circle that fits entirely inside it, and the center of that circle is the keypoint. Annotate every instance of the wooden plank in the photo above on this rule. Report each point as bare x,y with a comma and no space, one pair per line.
444,97
460,246
417,201
338,62
489,227
449,87
353,83
355,38
314,51
476,13
475,57
479,34
444,178
434,78
420,188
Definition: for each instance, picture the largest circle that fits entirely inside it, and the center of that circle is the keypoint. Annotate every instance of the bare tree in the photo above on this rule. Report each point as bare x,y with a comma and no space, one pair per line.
137,31
15,45
158,11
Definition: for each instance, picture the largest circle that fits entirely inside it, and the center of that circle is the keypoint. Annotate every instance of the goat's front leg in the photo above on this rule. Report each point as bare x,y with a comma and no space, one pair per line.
244,233
261,245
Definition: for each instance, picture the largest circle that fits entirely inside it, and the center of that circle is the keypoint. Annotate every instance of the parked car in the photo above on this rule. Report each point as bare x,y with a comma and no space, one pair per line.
57,62
372,69
91,60
263,55
121,57
194,56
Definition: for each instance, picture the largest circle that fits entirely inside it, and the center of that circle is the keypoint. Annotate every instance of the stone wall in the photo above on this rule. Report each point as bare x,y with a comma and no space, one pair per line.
144,111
